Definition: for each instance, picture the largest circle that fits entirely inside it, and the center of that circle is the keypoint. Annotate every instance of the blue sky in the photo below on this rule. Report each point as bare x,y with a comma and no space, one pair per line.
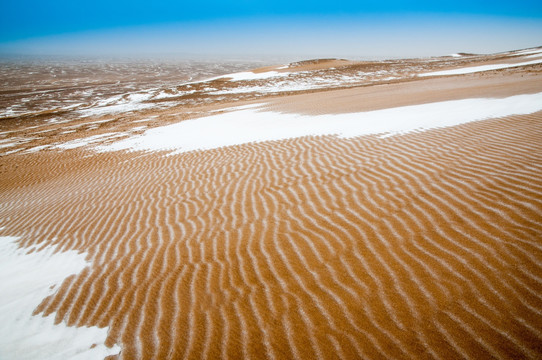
289,28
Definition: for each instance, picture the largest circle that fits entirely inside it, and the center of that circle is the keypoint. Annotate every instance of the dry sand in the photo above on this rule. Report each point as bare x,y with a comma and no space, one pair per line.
424,245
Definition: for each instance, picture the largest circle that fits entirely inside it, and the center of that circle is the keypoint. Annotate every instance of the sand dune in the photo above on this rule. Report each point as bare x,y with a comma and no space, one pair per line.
421,245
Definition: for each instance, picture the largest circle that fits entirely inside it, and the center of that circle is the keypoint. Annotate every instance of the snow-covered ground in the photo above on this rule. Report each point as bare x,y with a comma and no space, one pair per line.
527,52
25,280
536,55
249,75
475,69
305,80
118,104
254,124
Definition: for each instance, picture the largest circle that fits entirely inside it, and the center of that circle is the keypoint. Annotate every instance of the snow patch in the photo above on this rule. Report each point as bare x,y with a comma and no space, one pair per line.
528,52
253,124
37,149
249,75
25,280
474,69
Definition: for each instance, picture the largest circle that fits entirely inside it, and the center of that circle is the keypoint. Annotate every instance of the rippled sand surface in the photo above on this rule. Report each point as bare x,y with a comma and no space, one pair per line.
420,245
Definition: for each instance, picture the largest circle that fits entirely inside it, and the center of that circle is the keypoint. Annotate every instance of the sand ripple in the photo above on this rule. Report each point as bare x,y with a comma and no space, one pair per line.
426,245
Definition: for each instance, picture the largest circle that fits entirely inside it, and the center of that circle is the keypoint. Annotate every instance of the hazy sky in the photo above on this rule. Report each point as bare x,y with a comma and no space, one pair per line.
296,29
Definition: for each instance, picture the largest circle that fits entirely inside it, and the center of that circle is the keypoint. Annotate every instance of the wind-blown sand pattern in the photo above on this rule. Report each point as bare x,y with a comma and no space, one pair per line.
425,244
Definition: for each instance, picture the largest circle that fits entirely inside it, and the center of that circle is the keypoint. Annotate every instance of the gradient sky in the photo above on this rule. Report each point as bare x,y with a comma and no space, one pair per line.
292,28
